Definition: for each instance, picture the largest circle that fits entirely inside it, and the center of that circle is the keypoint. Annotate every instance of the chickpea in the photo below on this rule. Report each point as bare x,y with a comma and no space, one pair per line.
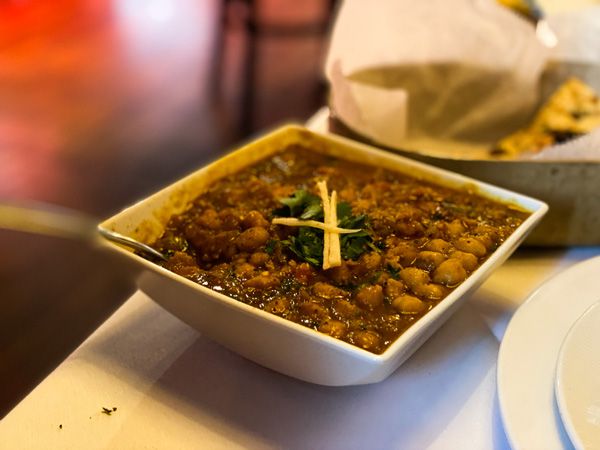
262,282
341,274
407,227
419,282
251,239
401,255
256,186
171,244
284,191
370,297
220,270
211,246
328,291
382,279
229,250
344,308
470,245
431,291
312,309
334,328
180,259
485,240
259,259
230,219
279,306
254,219
244,271
408,304
361,206
183,264
413,276
348,195
428,260
209,219
468,260
438,245
450,273
369,340
394,288
455,228
367,263
369,191
488,233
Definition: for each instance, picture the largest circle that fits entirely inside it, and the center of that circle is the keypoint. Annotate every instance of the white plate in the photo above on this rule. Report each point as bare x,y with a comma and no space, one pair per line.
578,380
528,355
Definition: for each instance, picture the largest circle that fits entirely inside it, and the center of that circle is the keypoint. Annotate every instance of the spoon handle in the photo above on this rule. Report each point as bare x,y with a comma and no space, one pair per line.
130,243
51,220
47,220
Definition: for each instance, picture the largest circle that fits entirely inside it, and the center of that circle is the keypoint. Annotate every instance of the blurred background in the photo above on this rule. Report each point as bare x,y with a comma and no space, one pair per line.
103,102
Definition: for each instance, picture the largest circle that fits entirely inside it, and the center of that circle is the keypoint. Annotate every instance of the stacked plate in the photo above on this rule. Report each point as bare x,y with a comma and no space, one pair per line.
549,364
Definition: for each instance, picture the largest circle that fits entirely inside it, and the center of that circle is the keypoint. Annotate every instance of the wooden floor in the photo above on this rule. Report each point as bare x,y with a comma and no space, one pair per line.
103,103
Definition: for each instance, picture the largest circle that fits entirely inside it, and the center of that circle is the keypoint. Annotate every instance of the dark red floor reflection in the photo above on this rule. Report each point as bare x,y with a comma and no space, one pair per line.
104,102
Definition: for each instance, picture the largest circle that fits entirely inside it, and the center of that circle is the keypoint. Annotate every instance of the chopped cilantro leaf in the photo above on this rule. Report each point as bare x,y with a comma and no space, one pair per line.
393,271
344,210
301,205
270,247
312,211
355,244
308,245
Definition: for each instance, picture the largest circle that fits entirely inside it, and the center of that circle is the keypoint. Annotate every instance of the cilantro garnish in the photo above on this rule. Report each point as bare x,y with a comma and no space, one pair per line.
353,244
301,205
308,243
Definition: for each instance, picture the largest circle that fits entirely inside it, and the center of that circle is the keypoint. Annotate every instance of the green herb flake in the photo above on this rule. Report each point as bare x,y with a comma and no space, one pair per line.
301,205
308,245
270,247
395,273
108,411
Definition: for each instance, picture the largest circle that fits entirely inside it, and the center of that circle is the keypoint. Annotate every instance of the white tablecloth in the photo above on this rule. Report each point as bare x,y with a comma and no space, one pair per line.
174,389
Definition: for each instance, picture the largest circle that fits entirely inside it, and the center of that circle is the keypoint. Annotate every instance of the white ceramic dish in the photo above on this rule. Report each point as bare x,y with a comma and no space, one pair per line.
529,352
270,340
577,384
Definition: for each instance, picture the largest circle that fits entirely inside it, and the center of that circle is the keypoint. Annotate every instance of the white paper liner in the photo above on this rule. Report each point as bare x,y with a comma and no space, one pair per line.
478,72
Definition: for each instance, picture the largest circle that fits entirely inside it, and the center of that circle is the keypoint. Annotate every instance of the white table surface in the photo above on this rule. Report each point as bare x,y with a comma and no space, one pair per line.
174,389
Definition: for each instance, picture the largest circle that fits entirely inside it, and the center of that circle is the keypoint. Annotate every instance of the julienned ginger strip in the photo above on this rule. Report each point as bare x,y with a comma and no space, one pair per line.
322,185
293,222
332,256
335,254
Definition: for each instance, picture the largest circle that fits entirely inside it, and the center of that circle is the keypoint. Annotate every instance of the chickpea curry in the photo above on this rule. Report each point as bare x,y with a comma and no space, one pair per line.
358,253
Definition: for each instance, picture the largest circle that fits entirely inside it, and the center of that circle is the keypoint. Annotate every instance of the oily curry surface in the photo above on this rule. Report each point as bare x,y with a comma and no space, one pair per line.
414,242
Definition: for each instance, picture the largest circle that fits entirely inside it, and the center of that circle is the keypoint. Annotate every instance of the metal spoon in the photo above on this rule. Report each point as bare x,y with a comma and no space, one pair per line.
52,220
131,243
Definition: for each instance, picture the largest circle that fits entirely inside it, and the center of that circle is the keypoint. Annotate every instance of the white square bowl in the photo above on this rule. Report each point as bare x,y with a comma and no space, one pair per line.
270,340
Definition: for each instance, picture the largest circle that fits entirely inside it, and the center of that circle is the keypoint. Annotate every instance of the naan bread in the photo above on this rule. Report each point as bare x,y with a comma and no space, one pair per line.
573,110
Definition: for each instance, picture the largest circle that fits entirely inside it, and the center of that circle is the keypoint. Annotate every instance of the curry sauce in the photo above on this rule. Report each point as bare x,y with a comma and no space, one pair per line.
413,242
